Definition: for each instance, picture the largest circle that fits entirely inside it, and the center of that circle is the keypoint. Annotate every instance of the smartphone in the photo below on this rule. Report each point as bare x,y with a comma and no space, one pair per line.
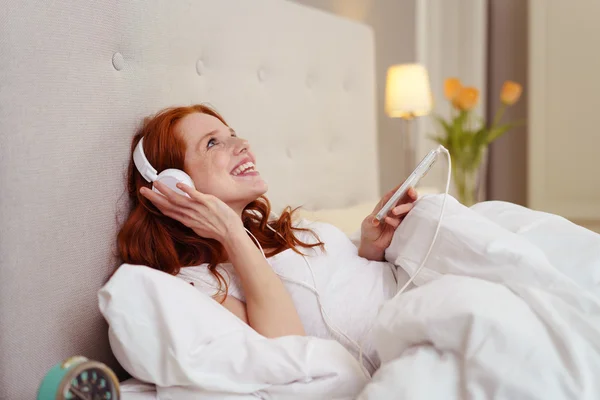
412,180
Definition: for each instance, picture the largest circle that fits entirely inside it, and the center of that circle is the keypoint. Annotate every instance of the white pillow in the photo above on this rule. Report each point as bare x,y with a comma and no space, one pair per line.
164,331
347,219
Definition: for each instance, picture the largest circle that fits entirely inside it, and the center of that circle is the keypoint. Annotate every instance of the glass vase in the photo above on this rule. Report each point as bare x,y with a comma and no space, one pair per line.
466,183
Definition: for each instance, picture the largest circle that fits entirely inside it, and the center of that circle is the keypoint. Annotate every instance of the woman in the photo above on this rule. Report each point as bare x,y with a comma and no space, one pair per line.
203,238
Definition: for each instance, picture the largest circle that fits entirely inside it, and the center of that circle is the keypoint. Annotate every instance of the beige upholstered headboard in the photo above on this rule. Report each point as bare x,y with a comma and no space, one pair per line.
76,77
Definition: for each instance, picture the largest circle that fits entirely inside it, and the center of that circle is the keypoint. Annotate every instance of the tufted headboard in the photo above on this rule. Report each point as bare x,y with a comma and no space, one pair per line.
76,78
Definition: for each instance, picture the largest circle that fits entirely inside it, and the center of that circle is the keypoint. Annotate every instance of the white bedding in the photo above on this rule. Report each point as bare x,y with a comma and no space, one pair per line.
133,389
508,307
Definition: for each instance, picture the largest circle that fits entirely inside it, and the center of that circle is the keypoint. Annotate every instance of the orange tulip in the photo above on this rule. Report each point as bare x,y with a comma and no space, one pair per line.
452,87
511,91
466,99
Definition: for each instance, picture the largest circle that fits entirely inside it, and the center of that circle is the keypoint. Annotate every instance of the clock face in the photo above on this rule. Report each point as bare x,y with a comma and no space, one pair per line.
91,384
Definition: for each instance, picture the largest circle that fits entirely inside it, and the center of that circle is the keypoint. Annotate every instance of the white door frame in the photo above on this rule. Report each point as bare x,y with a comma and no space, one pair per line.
545,187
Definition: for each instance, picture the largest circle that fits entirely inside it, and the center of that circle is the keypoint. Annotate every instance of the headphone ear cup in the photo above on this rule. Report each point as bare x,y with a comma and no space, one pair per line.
171,177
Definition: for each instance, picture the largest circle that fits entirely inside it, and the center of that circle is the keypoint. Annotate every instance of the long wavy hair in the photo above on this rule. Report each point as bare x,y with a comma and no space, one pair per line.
148,237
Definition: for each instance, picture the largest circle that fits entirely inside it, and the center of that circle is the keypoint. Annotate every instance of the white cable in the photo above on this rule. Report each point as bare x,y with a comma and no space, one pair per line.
435,235
257,242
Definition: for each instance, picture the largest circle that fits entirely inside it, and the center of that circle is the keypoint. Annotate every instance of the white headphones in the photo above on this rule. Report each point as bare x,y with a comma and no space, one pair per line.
169,177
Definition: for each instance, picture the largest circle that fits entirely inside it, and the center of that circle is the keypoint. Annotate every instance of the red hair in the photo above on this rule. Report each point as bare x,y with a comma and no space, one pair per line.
148,237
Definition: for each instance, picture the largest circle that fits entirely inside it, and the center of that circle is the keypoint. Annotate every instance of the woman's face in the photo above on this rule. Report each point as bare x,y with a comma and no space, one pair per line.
219,162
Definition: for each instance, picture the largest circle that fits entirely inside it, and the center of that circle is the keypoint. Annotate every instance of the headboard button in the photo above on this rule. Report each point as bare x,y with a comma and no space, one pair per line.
199,67
347,85
262,74
118,61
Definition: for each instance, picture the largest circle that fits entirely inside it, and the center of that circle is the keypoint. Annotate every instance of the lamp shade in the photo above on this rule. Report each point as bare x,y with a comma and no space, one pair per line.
407,92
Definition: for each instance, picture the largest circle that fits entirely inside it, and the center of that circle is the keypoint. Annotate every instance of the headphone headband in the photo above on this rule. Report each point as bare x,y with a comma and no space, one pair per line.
142,164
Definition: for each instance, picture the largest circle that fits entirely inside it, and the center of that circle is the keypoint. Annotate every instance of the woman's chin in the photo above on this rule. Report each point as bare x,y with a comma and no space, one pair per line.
257,189
258,185
262,188
247,188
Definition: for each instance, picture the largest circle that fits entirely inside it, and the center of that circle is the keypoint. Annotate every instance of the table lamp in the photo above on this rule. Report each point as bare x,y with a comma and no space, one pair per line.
407,96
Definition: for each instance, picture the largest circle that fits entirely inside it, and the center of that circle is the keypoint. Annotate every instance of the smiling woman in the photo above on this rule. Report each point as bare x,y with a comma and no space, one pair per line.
206,236
168,231
197,139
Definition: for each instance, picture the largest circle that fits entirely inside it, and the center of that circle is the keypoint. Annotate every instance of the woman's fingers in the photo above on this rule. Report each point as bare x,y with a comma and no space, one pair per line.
398,214
402,209
174,197
193,193
174,214
394,222
158,200
164,205
412,194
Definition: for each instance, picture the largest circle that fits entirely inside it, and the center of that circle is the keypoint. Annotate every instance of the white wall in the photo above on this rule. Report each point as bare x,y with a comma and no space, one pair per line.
564,102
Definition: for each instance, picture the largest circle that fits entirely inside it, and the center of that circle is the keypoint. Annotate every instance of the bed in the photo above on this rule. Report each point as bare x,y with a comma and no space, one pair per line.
509,309
75,80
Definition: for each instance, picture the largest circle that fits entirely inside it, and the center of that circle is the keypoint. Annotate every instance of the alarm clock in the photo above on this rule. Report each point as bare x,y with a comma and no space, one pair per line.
78,378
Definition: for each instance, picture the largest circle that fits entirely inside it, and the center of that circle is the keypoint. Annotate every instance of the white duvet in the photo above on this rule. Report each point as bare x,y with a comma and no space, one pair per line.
508,307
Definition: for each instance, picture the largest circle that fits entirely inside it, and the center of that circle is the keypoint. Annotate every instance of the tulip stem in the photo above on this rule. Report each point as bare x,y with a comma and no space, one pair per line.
499,115
465,181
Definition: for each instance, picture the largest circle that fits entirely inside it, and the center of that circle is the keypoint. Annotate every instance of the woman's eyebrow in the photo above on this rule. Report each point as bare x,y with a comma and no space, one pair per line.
211,133
203,136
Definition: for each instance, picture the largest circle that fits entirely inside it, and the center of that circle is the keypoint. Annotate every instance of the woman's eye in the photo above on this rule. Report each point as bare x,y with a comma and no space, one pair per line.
211,143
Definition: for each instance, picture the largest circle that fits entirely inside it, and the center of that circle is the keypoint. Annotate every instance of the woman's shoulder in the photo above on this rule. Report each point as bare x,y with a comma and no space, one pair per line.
205,281
198,275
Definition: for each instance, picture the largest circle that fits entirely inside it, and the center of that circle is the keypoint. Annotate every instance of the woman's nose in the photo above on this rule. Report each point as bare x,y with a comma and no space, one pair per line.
241,145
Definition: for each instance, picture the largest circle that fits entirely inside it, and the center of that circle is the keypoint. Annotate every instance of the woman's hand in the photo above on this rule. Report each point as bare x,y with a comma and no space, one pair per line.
376,236
205,214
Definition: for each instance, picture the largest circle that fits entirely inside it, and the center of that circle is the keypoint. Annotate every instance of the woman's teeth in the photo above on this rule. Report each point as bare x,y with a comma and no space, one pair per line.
245,167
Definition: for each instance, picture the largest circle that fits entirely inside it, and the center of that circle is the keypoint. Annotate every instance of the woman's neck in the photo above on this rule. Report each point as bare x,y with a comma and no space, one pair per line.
238,207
